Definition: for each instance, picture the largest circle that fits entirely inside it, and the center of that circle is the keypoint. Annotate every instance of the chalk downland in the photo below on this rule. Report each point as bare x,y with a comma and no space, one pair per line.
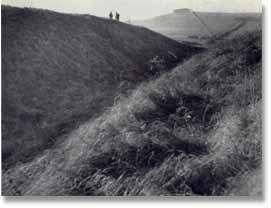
60,70
193,131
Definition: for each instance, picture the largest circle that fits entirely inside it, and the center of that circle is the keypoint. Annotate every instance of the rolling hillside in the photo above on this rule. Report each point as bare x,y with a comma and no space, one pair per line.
193,131
187,25
59,70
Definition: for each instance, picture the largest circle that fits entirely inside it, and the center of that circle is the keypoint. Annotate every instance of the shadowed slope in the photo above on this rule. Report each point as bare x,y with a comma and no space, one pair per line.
193,131
59,70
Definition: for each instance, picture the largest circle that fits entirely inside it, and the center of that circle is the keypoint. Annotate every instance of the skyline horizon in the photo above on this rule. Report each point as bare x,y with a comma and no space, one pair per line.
170,12
129,9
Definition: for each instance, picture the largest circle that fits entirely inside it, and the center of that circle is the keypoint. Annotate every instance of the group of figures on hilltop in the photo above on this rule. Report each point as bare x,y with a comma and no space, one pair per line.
117,16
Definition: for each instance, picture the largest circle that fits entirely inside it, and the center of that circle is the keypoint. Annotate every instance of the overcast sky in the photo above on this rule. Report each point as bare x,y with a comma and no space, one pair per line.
138,9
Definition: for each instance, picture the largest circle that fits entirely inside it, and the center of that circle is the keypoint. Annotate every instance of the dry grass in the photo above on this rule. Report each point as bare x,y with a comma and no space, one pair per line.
193,131
60,70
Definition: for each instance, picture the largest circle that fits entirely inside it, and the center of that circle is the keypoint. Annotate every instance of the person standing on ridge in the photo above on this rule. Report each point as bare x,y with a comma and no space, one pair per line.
111,15
117,16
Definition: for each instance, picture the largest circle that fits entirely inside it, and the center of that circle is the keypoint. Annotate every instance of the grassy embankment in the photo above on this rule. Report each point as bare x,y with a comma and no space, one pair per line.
193,131
59,70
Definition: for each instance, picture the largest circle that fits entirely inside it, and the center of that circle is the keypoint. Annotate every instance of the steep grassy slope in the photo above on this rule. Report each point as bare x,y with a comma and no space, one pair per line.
193,131
59,70
187,25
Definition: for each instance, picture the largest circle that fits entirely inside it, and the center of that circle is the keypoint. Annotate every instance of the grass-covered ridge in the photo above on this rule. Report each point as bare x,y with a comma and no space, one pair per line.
199,27
193,131
59,70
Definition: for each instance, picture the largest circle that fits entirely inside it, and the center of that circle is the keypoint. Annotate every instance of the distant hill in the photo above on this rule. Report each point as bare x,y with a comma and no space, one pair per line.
187,25
59,70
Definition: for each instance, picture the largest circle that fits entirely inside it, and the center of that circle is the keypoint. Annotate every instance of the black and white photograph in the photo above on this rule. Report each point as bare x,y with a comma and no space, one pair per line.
135,98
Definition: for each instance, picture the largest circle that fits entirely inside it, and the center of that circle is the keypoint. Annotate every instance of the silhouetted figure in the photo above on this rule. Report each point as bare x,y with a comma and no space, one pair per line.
111,15
117,16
